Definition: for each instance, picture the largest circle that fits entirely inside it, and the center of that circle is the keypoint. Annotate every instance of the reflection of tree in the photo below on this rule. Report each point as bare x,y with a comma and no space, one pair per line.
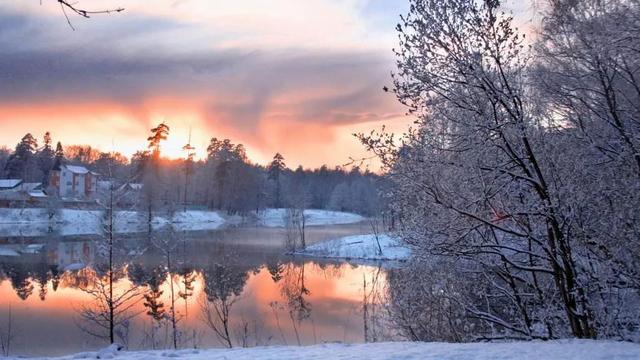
188,278
20,281
108,312
223,285
41,277
167,243
275,269
153,302
370,300
137,274
55,277
152,297
294,290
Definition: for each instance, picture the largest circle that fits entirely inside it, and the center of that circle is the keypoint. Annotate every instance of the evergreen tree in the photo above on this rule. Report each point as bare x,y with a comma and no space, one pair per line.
21,163
59,154
158,134
46,159
275,170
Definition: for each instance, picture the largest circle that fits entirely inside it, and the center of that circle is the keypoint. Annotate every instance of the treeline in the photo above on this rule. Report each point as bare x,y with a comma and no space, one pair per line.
225,180
28,161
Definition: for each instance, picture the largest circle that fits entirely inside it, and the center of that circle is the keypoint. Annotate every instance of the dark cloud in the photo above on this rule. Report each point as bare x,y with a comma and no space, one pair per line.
238,88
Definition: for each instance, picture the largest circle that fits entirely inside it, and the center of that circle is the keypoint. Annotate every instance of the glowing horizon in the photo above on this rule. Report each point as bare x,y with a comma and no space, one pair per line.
284,76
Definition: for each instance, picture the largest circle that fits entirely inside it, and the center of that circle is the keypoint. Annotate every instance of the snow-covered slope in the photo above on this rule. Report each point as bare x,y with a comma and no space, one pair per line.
363,247
276,217
549,350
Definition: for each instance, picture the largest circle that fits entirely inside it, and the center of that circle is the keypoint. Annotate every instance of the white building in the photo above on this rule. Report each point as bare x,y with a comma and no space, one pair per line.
73,181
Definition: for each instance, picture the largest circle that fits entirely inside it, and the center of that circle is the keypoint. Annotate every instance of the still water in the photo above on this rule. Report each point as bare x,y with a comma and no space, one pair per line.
235,276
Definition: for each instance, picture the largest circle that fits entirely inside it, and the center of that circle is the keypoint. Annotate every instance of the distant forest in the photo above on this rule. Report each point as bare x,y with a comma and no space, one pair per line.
225,180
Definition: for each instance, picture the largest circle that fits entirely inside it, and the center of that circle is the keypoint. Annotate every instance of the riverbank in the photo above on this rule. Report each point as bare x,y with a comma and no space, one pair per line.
38,221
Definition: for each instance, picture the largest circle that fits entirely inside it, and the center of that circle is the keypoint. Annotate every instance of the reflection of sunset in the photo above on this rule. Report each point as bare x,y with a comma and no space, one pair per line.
339,285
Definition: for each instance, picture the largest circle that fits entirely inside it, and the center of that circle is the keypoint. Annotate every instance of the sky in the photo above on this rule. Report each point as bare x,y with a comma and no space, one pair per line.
289,76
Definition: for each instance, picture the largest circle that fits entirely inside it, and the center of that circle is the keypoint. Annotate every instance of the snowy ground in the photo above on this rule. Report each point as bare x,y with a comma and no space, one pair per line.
34,222
550,350
360,247
276,217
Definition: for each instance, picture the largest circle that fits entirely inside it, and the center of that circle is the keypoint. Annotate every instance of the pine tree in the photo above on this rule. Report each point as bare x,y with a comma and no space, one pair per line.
275,169
46,159
21,163
158,134
59,154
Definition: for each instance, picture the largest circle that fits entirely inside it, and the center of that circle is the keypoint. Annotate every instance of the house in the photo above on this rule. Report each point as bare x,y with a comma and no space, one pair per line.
15,192
73,181
132,187
129,194
30,187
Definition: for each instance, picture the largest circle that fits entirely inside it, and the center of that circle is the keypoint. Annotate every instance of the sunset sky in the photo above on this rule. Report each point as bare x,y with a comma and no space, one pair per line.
298,77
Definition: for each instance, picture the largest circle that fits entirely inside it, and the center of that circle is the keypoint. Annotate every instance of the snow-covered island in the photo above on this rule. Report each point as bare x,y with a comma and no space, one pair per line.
359,247
549,350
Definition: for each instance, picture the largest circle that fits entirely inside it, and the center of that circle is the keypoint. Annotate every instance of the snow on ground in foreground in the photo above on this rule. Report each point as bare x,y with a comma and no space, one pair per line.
549,350
363,247
276,217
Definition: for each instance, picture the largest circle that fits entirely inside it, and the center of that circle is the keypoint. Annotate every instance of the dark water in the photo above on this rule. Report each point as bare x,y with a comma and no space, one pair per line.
270,298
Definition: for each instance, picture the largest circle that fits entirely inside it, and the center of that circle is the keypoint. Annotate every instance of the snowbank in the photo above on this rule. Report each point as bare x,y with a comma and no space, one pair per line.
364,247
314,217
549,350
21,216
34,222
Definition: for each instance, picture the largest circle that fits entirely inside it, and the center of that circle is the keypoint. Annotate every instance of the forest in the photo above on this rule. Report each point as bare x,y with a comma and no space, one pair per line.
225,180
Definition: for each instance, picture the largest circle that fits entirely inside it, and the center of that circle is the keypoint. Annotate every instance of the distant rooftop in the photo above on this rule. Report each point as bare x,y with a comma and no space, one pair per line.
76,169
30,186
9,183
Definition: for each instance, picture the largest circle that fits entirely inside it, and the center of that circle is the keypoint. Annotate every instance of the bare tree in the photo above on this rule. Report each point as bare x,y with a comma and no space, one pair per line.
109,308
223,286
493,177
167,244
7,334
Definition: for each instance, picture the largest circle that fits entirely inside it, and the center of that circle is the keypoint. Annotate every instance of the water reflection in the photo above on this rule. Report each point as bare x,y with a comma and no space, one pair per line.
218,293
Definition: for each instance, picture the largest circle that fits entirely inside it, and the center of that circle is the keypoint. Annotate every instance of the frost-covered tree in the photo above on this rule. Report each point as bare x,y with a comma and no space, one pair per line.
511,185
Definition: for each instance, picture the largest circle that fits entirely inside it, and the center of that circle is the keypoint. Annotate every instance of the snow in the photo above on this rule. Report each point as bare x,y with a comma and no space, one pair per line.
314,217
33,221
77,169
197,216
37,194
364,247
9,183
7,251
548,350
74,267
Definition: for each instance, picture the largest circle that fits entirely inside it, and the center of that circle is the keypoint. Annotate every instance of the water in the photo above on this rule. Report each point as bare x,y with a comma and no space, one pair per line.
270,298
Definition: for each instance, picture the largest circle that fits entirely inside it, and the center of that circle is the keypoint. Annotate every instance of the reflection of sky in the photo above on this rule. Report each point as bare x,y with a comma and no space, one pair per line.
47,327
285,75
